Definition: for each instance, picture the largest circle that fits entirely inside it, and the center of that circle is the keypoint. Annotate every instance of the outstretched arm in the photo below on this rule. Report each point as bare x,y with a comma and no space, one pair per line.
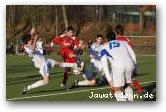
56,40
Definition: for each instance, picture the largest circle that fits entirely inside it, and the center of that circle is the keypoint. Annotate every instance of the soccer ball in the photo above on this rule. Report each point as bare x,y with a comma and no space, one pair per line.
76,71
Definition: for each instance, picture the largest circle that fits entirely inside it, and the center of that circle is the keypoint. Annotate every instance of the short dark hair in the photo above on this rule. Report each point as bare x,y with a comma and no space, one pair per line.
119,29
110,36
70,28
26,38
99,35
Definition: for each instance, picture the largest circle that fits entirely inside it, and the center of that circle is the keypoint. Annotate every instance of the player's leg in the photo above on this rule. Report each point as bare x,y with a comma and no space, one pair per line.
89,79
118,80
128,76
86,82
93,67
137,86
69,57
45,74
135,82
66,75
102,79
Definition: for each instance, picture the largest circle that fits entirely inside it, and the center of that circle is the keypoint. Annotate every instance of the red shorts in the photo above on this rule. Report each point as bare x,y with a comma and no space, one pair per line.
65,55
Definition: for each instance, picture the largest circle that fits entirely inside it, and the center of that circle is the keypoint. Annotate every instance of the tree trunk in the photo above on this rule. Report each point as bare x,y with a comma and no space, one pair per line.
64,16
100,15
141,21
56,19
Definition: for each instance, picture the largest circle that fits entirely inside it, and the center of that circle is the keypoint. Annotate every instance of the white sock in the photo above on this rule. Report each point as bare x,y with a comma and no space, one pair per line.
84,76
129,93
83,83
119,96
62,64
36,84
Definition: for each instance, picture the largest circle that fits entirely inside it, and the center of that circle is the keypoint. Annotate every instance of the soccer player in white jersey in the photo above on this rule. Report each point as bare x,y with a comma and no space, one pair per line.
89,77
95,49
40,62
122,60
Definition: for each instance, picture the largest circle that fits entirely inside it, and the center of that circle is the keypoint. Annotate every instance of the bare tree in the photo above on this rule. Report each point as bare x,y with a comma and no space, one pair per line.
56,19
64,16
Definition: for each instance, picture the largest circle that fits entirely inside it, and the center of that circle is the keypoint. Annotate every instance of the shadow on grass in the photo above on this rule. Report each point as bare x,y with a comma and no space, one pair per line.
47,91
30,78
141,74
150,89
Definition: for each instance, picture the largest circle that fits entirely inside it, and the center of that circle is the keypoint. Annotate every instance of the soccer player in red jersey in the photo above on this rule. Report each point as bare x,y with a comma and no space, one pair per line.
119,30
66,50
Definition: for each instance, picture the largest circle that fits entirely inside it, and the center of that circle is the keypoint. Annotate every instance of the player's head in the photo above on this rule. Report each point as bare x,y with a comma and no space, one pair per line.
70,31
99,39
62,31
27,39
111,36
119,29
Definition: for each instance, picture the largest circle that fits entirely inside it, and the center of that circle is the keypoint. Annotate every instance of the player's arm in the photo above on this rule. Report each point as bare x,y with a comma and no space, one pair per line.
56,40
91,52
104,60
132,54
71,55
34,43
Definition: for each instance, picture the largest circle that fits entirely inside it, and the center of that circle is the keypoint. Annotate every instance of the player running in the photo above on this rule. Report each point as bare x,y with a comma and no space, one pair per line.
122,60
66,51
119,30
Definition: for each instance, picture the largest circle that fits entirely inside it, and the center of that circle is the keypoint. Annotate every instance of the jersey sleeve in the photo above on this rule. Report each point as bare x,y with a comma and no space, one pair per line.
76,41
91,51
105,65
39,45
28,50
132,54
57,40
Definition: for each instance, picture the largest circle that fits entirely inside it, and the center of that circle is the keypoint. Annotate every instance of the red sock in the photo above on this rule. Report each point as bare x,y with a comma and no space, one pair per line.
137,86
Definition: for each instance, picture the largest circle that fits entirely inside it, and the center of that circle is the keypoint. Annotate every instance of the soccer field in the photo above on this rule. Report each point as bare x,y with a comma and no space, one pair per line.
20,71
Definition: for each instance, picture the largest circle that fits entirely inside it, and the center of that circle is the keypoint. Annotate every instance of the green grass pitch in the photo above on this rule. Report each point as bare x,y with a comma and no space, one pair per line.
20,71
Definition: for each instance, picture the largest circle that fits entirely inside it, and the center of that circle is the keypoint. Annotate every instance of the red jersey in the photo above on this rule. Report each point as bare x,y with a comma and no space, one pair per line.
66,47
64,42
123,38
76,40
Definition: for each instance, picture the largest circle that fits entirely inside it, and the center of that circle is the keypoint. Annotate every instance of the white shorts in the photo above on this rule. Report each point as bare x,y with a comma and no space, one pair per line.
44,65
96,65
50,63
121,73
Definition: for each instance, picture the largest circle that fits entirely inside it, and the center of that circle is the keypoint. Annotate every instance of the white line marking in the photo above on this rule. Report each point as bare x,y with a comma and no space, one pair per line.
66,92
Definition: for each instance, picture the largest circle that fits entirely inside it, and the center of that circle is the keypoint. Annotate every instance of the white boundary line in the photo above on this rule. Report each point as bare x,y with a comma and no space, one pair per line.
66,92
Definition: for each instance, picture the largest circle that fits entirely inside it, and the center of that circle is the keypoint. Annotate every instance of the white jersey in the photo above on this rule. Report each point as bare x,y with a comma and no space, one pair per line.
122,59
95,50
118,51
95,57
39,46
34,55
39,60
